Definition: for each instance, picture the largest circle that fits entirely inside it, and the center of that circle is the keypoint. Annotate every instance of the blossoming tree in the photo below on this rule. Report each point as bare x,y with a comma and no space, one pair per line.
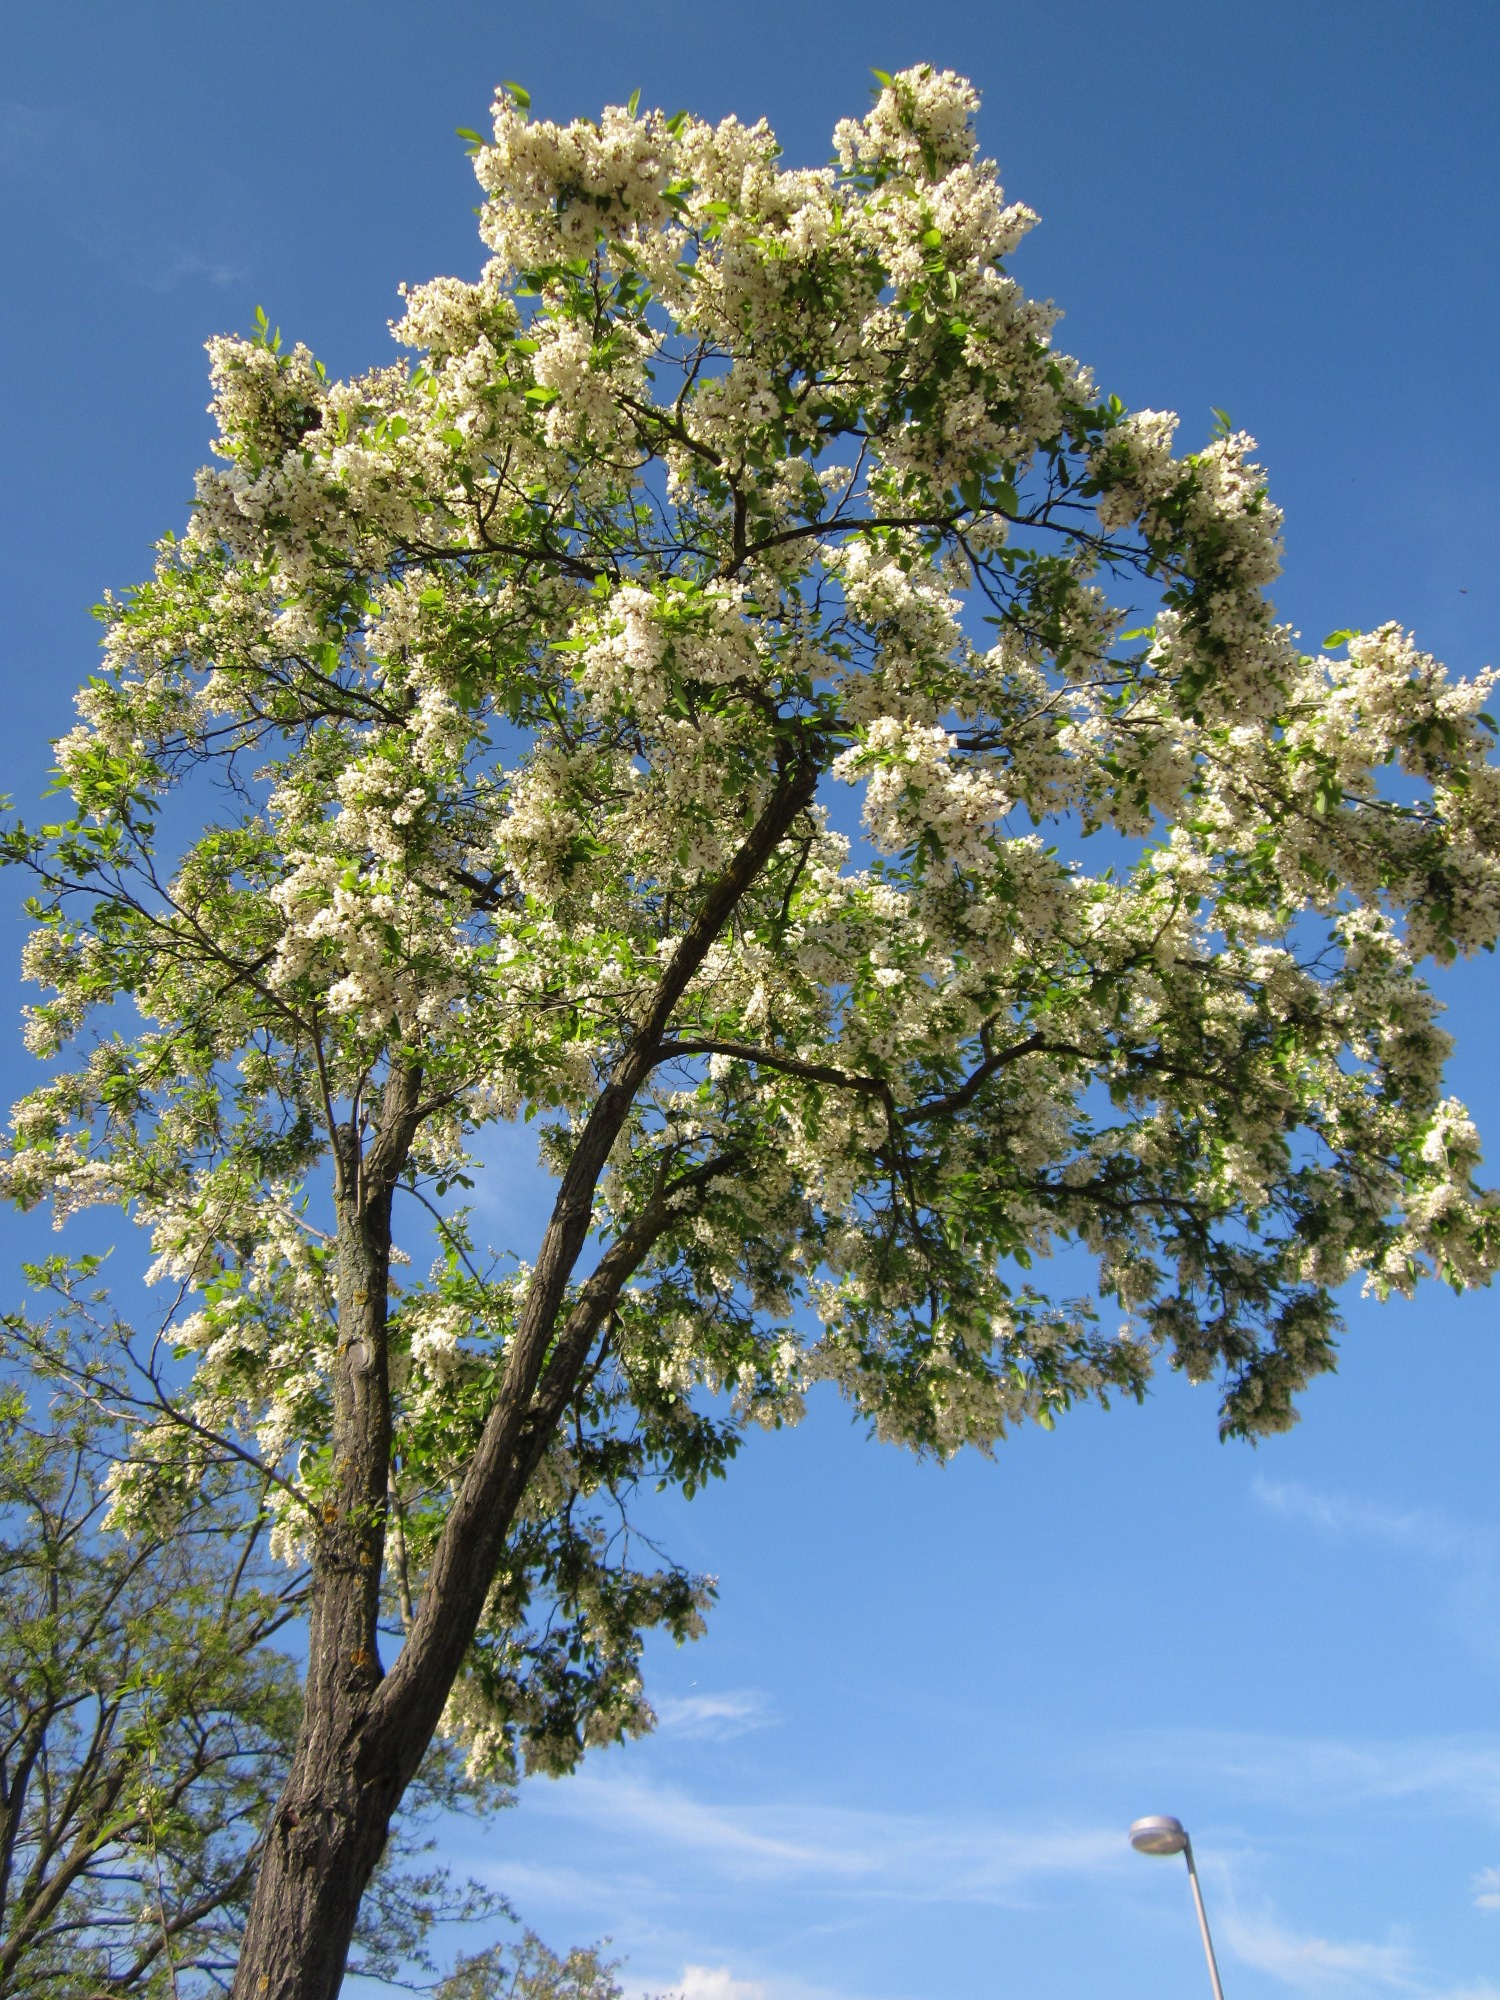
493,744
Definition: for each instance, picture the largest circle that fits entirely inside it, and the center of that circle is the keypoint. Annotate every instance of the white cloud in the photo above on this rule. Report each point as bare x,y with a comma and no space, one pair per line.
1462,1557
1315,1964
1313,1775
26,134
1420,1531
719,1982
1487,1889
716,1982
1321,1965
905,1857
511,1182
728,1714
98,186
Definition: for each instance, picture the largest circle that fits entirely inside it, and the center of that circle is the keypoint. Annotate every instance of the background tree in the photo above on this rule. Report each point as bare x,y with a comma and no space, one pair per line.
490,747
528,1970
145,1721
146,1718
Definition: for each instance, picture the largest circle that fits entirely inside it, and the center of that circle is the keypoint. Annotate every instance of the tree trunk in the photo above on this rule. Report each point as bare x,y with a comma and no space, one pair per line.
331,1822
363,1737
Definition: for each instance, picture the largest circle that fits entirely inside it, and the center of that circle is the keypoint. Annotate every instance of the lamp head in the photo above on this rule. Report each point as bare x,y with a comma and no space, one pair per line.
1159,1834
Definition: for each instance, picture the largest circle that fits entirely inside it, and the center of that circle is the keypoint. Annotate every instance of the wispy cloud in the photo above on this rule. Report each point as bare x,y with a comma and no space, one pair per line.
1487,1889
511,1184
1463,1555
906,1857
27,135
1319,1775
1313,1964
730,1713
1316,1964
1421,1531
98,186
164,268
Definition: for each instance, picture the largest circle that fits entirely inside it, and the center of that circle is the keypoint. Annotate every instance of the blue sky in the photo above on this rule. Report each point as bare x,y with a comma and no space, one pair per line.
931,1699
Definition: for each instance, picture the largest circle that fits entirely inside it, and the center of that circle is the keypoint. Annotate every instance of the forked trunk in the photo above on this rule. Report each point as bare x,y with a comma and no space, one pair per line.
363,1738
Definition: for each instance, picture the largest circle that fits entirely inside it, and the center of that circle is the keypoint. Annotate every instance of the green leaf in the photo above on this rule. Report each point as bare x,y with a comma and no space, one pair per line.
883,77
518,93
635,102
1340,638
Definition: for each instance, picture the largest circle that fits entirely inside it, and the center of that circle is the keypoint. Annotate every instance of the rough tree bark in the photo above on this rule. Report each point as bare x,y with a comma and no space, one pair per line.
364,1734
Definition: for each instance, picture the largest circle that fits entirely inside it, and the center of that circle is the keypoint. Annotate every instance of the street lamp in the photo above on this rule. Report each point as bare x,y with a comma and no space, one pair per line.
1161,1834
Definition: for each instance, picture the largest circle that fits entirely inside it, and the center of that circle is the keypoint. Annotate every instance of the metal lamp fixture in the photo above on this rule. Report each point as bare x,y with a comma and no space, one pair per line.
1161,1834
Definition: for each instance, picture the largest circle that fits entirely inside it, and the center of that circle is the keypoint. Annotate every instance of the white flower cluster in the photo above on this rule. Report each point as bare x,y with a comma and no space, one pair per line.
1211,512
916,788
554,190
922,125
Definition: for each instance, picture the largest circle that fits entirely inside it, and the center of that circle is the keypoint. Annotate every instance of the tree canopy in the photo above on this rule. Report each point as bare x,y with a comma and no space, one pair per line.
735,693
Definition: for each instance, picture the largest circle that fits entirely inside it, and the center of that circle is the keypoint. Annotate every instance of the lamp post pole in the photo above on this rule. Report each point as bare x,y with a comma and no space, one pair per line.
1161,1834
